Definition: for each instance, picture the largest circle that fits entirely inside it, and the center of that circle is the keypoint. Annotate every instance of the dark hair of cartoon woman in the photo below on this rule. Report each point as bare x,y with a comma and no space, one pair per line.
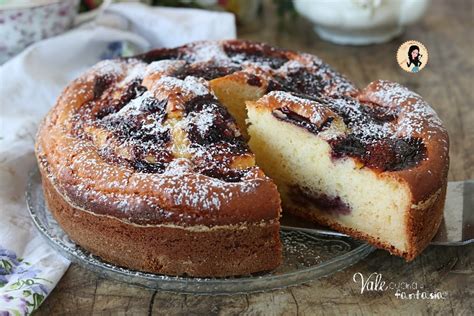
414,56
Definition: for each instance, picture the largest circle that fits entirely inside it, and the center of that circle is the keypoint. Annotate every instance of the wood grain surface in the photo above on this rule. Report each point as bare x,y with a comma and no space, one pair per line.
447,84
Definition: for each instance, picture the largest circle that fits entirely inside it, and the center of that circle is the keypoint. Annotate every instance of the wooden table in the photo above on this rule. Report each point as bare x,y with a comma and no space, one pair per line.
447,84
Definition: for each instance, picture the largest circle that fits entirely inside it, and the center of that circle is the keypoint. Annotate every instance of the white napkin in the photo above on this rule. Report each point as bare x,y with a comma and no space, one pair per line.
29,86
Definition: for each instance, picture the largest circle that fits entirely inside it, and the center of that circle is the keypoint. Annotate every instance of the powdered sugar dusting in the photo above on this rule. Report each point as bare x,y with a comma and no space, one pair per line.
190,85
419,115
136,106
282,97
206,51
163,66
108,67
204,121
135,72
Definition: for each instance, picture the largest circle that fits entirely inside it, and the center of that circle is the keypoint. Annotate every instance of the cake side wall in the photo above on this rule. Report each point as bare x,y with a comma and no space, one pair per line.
165,250
423,222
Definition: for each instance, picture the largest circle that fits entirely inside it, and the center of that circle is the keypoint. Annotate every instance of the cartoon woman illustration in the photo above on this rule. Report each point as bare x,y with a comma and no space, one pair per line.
414,58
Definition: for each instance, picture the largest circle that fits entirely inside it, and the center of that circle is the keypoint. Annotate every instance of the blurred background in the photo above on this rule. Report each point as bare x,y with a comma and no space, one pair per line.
344,22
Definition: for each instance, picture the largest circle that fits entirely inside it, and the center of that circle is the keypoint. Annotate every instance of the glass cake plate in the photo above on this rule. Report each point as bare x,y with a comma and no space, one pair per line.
306,256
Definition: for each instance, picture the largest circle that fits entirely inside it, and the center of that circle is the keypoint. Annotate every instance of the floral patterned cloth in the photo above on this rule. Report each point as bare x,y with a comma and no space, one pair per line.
29,86
23,289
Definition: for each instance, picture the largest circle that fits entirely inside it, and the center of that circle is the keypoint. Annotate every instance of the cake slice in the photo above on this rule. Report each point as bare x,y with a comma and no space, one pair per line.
372,166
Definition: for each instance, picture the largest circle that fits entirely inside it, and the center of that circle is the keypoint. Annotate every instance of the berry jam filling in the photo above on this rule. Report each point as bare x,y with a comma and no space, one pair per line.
130,125
380,113
103,104
314,82
328,204
199,103
299,81
101,84
286,115
349,146
210,123
214,138
139,134
134,90
159,54
109,105
260,54
254,80
207,71
224,174
383,154
146,167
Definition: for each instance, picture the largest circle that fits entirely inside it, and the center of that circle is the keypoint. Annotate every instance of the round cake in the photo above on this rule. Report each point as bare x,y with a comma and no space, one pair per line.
150,162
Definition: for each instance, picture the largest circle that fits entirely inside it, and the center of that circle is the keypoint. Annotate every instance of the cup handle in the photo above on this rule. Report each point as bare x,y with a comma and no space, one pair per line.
91,15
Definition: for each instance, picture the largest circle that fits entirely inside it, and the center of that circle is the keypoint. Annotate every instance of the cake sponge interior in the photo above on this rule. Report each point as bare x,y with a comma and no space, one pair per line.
233,93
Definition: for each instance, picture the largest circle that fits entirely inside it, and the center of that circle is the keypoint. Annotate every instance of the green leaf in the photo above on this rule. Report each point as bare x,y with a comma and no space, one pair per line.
16,285
37,300
5,264
26,293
